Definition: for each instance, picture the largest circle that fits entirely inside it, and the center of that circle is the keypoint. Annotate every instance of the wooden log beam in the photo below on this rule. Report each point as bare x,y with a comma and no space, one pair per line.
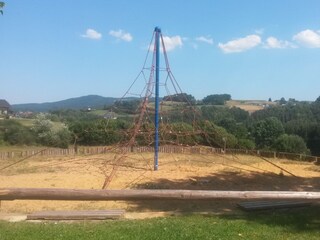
143,194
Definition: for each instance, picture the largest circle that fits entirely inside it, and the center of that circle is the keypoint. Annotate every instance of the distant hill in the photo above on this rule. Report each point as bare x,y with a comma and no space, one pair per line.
92,101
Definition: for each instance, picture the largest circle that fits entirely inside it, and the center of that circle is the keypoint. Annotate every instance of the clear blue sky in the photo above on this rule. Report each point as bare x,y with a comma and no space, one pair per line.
53,50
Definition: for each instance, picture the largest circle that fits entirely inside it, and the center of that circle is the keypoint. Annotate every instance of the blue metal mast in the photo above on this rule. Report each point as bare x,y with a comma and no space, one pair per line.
156,115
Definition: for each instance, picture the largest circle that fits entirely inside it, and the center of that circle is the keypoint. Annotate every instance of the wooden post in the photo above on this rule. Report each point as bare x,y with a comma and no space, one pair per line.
143,194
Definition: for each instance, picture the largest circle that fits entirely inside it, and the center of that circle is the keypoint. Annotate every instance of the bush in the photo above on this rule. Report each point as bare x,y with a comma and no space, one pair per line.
14,133
246,144
181,133
98,132
216,99
291,144
267,131
50,134
216,136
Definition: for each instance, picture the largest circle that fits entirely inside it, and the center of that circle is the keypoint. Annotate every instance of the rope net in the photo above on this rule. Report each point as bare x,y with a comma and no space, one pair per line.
179,118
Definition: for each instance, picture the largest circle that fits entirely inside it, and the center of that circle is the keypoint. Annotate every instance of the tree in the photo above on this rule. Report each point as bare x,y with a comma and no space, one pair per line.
313,141
282,101
216,99
237,129
98,132
14,133
267,131
180,133
1,6
216,136
246,144
290,143
180,97
50,134
129,107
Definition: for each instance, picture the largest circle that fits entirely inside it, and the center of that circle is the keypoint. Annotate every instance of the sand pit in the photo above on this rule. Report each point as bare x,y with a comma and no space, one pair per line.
176,171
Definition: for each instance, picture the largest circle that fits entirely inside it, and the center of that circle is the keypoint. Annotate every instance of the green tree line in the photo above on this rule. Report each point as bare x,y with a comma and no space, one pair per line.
291,127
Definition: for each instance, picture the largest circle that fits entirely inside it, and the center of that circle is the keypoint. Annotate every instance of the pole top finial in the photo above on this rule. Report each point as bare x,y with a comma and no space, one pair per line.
157,29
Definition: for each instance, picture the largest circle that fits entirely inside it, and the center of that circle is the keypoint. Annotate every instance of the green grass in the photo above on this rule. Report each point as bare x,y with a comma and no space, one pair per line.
98,112
25,121
293,224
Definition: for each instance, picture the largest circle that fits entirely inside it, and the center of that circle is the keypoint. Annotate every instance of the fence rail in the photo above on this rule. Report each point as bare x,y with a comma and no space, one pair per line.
162,149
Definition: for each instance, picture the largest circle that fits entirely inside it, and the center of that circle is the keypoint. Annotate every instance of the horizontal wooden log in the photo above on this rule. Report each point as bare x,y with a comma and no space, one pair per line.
143,194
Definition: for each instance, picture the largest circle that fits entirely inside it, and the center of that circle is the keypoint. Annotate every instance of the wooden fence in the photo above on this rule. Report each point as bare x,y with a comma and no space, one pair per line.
162,149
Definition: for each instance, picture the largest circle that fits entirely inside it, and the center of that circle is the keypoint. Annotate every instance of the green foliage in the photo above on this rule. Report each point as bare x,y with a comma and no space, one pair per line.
298,127
286,113
239,114
180,97
299,118
98,132
282,101
181,133
262,129
216,99
218,114
237,129
14,133
92,101
246,144
50,134
217,136
70,115
313,141
290,143
267,131
315,109
129,107
2,4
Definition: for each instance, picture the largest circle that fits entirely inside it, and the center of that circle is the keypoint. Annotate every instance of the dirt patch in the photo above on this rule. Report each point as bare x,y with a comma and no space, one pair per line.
176,171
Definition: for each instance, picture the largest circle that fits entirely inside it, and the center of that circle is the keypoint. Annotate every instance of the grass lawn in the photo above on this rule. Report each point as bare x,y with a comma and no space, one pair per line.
293,224
98,112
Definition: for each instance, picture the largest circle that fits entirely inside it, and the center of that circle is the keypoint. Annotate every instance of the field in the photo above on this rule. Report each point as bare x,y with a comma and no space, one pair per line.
249,105
176,171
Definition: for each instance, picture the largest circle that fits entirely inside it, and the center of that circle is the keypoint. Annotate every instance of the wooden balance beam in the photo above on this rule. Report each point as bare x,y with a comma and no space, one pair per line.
143,194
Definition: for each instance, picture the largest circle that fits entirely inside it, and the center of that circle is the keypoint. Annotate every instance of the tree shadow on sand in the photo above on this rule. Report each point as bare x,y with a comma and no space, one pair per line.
227,180
295,219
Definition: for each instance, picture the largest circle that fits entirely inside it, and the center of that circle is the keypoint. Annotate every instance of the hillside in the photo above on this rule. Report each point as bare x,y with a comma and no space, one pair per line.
98,102
250,105
92,101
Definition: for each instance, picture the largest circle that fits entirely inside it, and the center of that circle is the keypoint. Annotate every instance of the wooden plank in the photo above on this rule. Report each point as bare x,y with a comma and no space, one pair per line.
146,194
266,205
77,215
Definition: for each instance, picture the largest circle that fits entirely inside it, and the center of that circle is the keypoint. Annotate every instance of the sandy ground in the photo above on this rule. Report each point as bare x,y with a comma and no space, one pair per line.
176,171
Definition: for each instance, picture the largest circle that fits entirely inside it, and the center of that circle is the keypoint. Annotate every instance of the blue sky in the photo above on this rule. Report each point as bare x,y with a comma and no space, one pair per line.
53,50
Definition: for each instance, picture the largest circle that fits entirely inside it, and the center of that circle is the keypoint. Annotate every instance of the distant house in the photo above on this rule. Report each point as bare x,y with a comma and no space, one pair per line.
4,107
